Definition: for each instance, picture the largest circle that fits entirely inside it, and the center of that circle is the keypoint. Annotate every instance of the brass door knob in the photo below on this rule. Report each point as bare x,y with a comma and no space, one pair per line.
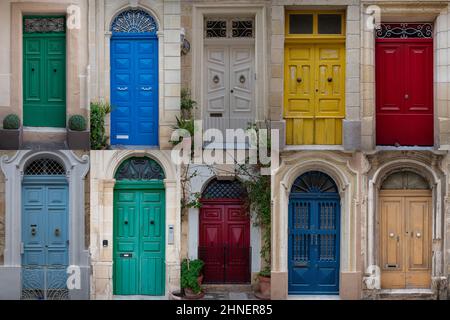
299,80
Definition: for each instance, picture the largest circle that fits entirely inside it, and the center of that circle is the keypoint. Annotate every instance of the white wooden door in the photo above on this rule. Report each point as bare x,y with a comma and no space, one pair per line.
230,79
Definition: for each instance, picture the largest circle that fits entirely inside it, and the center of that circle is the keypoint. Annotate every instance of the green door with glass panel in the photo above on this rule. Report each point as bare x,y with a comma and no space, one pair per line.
139,224
44,72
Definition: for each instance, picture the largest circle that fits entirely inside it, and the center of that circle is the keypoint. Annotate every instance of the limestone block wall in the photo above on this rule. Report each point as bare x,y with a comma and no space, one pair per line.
2,206
11,12
167,16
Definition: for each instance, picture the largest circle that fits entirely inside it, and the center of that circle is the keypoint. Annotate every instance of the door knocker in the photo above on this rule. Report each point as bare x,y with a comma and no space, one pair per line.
216,79
242,79
33,230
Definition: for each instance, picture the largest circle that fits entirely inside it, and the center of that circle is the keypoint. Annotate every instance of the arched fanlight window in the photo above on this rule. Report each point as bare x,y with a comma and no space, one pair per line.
405,180
314,182
44,167
134,21
224,189
140,168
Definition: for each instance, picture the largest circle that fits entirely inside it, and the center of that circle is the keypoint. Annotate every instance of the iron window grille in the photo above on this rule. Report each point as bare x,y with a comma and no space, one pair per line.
44,24
137,168
42,167
314,182
229,28
224,189
134,21
405,31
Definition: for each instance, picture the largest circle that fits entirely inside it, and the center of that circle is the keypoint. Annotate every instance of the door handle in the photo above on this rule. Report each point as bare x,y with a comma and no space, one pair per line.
57,232
152,222
126,222
406,96
146,88
299,80
231,90
330,79
122,88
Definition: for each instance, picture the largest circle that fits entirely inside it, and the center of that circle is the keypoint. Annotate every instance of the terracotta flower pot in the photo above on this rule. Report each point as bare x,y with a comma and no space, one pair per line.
264,287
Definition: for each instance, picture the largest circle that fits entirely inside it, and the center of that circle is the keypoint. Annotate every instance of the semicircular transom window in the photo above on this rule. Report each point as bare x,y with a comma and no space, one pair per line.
134,21
140,168
405,180
314,182
224,189
45,167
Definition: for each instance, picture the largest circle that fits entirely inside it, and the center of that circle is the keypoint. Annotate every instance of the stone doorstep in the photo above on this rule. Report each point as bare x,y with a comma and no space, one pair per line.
406,295
44,140
224,288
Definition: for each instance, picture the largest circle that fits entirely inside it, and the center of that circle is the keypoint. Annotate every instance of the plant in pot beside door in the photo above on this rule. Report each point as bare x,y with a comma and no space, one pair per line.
191,278
77,135
11,134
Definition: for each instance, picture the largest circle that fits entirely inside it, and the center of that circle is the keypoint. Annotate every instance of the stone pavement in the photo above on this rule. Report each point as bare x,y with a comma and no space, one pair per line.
40,145
229,296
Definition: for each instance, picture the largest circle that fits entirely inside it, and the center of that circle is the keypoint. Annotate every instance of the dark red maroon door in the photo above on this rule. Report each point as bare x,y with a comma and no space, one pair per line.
224,243
404,92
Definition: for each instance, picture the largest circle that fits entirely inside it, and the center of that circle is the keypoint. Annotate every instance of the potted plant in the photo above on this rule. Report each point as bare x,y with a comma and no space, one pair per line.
77,135
264,284
99,118
192,278
11,136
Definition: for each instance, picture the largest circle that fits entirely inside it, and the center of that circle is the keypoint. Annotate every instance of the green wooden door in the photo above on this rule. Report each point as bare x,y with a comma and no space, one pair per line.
44,75
139,240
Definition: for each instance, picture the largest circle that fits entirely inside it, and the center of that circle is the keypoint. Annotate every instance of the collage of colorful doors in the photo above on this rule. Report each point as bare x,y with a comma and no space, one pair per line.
202,149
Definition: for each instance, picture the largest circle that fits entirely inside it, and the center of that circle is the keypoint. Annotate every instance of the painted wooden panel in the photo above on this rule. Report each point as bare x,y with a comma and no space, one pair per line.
314,103
405,239
134,91
224,241
139,242
44,80
404,92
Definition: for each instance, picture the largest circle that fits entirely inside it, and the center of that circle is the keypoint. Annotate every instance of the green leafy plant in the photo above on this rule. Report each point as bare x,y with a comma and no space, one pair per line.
11,121
190,271
187,104
98,112
77,123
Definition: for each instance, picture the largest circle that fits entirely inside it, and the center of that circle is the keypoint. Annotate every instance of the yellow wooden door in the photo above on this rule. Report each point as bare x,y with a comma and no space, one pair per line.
405,239
314,95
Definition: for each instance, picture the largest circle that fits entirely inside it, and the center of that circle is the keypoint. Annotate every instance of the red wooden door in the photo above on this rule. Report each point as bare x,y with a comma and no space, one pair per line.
404,92
224,243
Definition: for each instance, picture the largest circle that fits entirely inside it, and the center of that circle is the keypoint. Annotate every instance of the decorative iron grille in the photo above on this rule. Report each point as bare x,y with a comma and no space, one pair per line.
140,169
232,28
405,180
405,30
44,25
42,167
242,29
44,283
314,182
134,21
216,29
224,189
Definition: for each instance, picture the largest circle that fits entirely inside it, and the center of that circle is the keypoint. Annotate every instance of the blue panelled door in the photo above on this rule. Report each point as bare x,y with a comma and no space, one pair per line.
44,232
314,219
134,90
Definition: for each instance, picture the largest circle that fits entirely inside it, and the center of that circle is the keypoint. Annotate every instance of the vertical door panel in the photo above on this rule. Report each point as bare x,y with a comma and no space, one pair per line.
224,242
418,242
134,91
139,242
404,93
44,81
45,236
299,94
217,113
242,110
313,245
314,93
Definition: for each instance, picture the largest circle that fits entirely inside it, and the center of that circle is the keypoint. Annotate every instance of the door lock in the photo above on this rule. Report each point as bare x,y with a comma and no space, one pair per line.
57,232
33,229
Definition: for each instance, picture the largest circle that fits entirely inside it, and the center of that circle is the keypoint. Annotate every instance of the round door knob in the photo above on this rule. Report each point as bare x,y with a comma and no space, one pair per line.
32,69
330,79
152,222
299,80
418,235
406,96
391,234
231,90
54,70
126,222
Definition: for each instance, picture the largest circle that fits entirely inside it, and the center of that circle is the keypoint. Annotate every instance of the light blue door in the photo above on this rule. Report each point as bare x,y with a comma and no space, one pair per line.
45,238
134,79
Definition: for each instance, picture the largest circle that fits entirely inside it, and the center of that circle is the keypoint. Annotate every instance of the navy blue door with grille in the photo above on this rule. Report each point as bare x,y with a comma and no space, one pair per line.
314,219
